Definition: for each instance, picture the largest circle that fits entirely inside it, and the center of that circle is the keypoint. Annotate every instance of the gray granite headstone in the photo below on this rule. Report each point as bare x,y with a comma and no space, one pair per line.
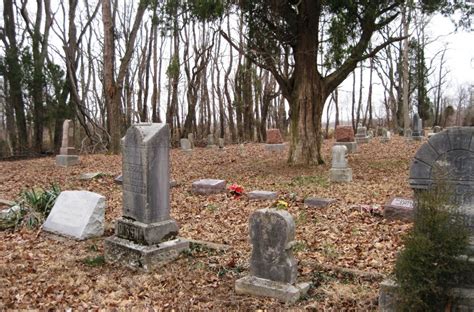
316,202
399,208
262,195
145,233
185,145
361,135
417,128
340,171
273,268
67,153
208,186
210,141
191,140
77,214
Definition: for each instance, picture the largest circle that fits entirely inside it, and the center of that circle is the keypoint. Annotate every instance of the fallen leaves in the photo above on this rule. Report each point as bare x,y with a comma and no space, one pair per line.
49,272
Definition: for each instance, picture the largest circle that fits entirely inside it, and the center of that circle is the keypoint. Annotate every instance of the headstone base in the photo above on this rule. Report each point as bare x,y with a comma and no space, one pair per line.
275,147
416,138
67,160
211,146
251,285
187,151
146,234
362,140
140,257
462,299
351,146
340,175
384,140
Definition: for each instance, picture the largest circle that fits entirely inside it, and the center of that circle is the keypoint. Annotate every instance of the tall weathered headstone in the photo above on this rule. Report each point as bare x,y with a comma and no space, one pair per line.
191,140
386,135
417,128
210,141
67,153
340,172
145,235
185,145
273,268
345,136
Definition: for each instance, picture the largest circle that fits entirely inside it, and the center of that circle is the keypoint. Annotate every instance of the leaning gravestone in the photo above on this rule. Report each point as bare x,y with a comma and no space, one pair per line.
345,136
145,236
273,268
447,157
67,153
340,172
274,141
77,214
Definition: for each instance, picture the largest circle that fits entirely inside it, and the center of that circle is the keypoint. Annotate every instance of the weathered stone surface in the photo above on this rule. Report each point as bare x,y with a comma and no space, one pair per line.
339,171
272,233
208,186
351,146
145,169
210,141
185,144
437,129
344,134
274,136
191,140
77,214
388,298
119,179
386,136
361,135
417,126
340,175
142,257
251,285
90,175
262,195
143,234
67,143
146,234
275,147
399,209
316,202
221,142
67,160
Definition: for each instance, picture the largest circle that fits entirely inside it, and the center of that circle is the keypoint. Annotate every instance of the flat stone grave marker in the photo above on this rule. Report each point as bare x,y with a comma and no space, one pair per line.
90,175
262,195
77,214
316,202
145,236
208,186
399,208
273,268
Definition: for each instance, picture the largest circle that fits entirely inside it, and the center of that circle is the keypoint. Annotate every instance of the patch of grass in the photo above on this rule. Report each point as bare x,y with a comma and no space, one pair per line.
299,246
302,218
212,207
309,180
94,261
330,251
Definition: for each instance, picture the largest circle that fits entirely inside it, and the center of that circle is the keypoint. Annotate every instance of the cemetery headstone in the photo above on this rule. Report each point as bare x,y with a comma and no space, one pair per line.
386,136
273,268
345,137
399,208
437,129
221,143
145,236
67,153
210,141
417,128
262,195
361,135
447,157
90,175
191,140
208,186
77,214
274,141
315,202
185,145
340,172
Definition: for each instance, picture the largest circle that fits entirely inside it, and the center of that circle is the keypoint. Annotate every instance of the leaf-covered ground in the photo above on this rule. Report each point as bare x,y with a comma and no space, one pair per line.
344,249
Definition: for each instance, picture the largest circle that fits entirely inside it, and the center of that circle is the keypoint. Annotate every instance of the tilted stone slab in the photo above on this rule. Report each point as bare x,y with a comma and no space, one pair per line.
208,186
77,214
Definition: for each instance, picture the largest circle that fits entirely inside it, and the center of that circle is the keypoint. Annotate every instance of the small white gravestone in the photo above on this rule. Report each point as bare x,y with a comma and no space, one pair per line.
340,172
77,214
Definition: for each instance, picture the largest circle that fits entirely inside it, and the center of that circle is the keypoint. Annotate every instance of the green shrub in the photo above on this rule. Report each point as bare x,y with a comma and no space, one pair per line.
428,265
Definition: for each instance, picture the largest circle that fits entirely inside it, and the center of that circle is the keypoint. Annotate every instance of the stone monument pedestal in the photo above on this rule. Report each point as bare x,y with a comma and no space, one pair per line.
275,147
142,257
340,174
285,292
67,160
351,146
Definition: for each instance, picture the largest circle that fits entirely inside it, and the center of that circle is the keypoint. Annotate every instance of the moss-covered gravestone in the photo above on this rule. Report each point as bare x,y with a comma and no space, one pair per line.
145,236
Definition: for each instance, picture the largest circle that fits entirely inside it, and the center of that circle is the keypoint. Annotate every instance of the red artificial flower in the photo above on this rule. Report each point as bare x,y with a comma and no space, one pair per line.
236,190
